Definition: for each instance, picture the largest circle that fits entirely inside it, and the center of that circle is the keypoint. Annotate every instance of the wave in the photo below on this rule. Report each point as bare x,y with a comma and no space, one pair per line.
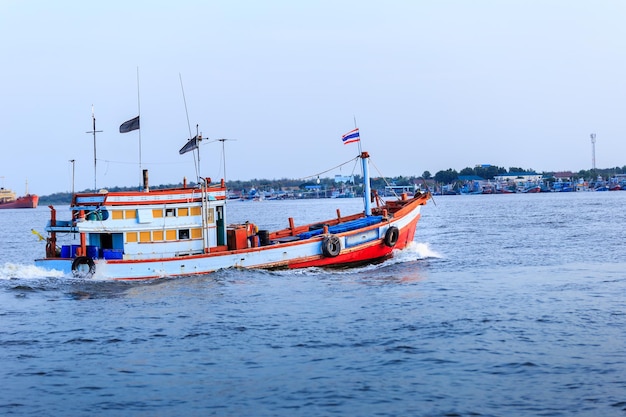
12,271
415,251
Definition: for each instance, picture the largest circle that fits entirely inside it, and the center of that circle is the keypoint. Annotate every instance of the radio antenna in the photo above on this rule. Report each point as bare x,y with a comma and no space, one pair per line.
94,131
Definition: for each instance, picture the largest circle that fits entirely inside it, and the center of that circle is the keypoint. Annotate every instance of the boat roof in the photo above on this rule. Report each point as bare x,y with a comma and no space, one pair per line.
158,196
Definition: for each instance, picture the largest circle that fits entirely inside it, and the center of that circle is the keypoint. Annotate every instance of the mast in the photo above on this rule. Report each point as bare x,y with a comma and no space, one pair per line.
367,191
365,167
94,131
139,115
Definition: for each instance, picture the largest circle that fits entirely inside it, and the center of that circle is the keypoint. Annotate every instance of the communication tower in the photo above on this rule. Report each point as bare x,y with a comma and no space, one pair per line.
593,151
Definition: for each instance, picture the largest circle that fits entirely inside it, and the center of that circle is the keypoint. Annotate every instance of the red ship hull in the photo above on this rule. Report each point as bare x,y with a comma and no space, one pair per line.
27,201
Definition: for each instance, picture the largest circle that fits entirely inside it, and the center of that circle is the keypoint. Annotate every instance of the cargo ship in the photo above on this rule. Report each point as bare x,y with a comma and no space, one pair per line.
8,200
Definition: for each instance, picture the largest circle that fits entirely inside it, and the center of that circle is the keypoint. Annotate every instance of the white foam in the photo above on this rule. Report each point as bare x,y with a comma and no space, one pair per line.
12,271
413,252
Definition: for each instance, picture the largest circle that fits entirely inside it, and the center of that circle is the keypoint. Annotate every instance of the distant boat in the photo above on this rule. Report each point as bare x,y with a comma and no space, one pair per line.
532,189
8,200
183,231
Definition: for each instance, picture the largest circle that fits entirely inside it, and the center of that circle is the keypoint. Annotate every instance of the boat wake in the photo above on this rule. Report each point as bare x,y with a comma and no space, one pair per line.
414,251
19,271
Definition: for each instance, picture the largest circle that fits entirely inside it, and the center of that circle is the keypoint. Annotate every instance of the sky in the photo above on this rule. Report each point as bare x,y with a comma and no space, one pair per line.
431,84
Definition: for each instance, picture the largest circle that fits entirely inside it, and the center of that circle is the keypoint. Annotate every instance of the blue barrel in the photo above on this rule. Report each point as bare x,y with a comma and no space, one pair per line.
92,251
66,251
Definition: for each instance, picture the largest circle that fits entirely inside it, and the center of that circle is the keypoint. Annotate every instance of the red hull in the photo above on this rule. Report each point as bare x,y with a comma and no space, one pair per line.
376,251
27,201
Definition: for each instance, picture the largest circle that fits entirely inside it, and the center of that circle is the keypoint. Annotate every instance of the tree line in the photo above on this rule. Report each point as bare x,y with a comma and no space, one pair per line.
448,176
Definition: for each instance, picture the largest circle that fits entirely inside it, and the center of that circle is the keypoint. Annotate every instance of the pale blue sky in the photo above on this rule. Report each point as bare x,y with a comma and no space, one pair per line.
433,85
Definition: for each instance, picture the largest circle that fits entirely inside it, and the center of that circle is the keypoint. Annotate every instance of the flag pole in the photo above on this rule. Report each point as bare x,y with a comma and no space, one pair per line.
139,115
356,127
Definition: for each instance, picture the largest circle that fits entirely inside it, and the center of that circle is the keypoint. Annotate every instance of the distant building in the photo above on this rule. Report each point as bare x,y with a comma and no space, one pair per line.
519,177
521,180
344,179
564,175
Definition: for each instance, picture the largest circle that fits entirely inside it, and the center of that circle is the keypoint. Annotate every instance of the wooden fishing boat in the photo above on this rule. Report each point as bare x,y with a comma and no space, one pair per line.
183,231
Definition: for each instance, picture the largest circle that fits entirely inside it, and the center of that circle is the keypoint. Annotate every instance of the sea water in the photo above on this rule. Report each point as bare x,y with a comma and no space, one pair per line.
504,305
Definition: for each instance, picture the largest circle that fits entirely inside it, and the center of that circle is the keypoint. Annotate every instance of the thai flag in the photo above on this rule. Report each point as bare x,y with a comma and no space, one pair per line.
351,136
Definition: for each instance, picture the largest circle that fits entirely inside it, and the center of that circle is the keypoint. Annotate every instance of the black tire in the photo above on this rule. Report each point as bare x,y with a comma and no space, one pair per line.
391,236
331,246
78,267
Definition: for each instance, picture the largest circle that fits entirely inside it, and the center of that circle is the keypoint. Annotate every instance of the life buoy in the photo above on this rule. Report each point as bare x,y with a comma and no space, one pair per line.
331,246
391,236
78,267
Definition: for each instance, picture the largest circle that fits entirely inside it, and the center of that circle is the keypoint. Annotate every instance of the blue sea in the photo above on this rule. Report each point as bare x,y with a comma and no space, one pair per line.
504,305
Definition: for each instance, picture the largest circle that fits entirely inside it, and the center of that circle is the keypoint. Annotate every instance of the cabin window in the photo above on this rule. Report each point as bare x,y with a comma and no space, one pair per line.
157,213
117,214
210,215
130,214
144,237
131,237
183,211
183,234
170,235
157,235
196,233
170,212
196,211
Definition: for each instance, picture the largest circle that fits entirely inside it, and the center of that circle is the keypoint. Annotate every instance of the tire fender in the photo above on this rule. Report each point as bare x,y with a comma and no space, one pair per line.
391,236
331,246
78,269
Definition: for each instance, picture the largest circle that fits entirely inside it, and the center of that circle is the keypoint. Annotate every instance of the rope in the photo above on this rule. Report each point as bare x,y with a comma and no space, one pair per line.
331,169
384,179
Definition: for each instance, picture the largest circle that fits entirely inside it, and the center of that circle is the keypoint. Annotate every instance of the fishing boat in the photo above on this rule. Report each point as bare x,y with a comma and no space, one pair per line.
150,234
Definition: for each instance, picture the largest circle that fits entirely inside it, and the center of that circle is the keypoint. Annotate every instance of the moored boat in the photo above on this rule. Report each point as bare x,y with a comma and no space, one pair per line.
531,189
183,231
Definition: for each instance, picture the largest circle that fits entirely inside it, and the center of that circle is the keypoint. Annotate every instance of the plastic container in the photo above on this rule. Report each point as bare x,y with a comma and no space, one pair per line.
93,251
112,254
264,237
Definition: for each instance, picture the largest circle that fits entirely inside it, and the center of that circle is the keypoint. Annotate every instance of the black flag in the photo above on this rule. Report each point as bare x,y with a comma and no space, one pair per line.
190,145
129,125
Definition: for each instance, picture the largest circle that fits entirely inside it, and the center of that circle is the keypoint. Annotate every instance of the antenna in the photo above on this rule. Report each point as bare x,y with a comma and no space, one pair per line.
593,151
224,154
94,131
